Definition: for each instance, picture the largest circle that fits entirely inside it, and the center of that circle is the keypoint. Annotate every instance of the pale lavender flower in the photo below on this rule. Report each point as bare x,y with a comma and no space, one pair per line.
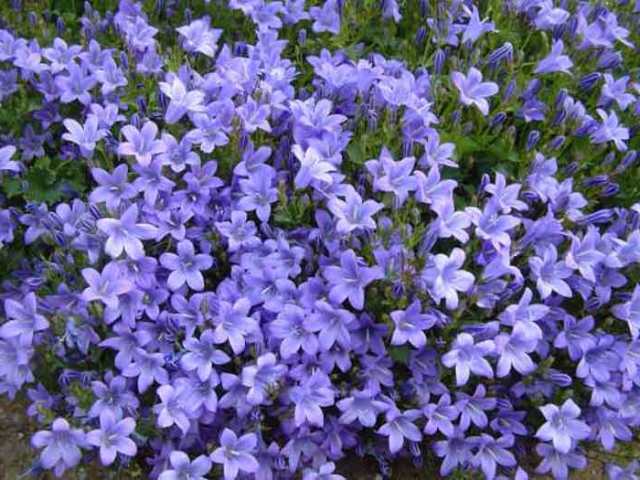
113,437
236,454
6,164
201,355
476,27
326,18
181,100
399,425
468,357
616,90
172,409
550,274
85,136
555,61
353,213
22,317
200,37
313,167
310,396
410,325
126,234
113,188
444,277
184,469
350,279
610,130
105,286
628,312
141,144
473,91
61,446
186,266
262,377
562,426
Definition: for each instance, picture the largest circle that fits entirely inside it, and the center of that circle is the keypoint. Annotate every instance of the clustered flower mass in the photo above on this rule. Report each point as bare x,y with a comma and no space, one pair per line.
272,248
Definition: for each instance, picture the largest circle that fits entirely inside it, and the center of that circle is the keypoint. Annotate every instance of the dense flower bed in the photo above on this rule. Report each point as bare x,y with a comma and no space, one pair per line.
247,239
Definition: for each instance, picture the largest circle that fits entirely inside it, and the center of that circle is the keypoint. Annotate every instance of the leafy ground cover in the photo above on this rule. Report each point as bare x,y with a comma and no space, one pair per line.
320,240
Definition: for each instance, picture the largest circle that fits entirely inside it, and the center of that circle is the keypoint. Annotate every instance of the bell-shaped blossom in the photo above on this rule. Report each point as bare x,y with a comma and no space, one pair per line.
61,446
236,454
467,357
399,426
444,277
410,325
182,468
126,234
472,90
562,426
555,61
22,317
186,266
181,101
353,213
113,437
349,280
141,144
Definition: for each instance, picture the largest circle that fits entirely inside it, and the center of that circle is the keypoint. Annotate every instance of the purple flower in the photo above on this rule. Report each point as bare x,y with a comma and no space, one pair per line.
186,266
200,37
399,425
147,367
254,116
76,85
141,144
181,100
562,426
324,472
236,454
473,91
492,452
456,451
259,192
6,164
616,90
444,278
105,286
201,355
292,328
410,325
233,324
610,131
313,167
468,357
22,318
513,351
550,274
628,312
113,188
352,213
125,234
332,325
440,416
310,396
361,406
350,279
392,176
555,61
182,468
85,136
172,409
558,463
61,446
262,377
476,27
113,437
326,18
